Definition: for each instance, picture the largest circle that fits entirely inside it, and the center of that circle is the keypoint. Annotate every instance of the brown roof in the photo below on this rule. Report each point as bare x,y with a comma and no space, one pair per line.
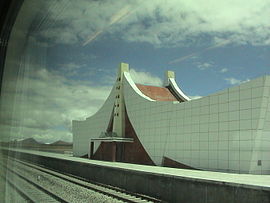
156,93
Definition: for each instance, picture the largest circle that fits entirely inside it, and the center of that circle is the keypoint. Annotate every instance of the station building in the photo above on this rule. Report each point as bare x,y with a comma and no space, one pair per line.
228,131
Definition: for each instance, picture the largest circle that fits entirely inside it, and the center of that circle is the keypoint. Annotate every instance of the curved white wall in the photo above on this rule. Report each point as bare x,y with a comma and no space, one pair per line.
92,127
220,132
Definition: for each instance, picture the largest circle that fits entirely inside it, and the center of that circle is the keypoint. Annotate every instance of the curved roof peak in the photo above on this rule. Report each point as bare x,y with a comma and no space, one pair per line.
169,91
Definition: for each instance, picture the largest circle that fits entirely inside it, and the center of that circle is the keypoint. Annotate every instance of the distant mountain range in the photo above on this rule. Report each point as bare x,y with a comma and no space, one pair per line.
32,142
60,142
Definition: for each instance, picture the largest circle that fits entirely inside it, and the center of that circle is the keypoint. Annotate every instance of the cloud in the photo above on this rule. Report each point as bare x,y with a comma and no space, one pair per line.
70,69
69,22
204,66
234,81
145,78
224,70
117,17
182,23
71,66
45,104
158,22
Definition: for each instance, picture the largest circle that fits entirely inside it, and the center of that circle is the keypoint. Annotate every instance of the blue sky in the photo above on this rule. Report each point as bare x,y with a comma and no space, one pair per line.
74,50
209,47
203,73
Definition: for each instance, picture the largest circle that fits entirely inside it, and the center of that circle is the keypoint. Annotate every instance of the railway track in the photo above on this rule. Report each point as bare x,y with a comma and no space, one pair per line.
66,188
28,190
17,195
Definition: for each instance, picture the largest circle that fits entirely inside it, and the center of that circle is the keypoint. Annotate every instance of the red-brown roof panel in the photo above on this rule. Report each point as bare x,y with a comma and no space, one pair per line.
156,93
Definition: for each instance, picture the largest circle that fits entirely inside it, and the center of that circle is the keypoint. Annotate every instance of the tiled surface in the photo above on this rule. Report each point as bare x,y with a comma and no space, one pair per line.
217,132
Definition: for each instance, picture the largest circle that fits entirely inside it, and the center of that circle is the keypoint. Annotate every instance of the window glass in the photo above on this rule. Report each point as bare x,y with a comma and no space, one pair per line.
62,60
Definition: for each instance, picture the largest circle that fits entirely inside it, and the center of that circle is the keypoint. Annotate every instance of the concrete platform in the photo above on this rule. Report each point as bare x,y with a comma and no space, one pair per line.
168,184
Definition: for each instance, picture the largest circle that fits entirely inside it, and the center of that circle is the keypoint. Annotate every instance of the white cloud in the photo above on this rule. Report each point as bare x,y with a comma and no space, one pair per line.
182,22
204,66
71,66
45,103
234,81
224,70
145,78
159,22
70,69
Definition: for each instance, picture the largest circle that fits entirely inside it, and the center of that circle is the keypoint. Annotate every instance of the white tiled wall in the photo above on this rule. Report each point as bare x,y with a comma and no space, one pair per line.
261,149
217,132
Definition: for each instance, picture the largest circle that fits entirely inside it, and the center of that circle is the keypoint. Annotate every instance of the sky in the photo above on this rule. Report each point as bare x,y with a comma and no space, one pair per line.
71,51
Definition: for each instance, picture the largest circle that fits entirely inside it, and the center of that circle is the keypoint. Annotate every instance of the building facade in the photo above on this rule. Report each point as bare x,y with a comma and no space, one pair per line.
227,131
